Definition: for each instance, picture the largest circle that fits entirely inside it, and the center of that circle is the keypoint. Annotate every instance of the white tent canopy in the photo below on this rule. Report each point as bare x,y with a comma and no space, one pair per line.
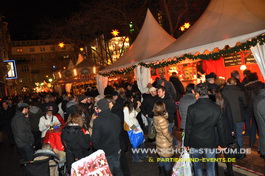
151,39
224,22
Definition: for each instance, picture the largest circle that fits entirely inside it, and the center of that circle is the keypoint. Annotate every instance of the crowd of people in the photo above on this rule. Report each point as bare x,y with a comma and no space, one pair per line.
214,113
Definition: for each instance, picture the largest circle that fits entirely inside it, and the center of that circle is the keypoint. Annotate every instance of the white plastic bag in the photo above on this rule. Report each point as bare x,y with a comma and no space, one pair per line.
183,166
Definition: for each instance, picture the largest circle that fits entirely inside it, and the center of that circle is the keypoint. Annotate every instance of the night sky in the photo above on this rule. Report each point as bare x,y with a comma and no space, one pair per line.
24,16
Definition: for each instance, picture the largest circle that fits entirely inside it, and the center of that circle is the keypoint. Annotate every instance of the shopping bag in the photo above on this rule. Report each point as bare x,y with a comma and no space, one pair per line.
136,137
183,166
94,164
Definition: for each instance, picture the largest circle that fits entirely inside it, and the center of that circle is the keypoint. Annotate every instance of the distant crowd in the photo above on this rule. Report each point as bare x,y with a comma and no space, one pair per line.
211,114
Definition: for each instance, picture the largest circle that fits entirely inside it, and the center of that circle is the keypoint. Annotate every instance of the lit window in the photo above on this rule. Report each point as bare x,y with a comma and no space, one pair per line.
42,49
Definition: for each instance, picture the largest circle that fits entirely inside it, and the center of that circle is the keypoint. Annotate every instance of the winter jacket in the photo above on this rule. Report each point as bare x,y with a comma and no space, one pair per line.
148,104
21,130
178,87
47,120
259,111
130,117
237,101
184,103
164,140
203,116
106,132
252,89
35,113
170,107
76,143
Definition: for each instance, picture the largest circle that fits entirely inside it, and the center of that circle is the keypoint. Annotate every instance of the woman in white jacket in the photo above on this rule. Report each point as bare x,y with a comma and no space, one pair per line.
47,121
131,109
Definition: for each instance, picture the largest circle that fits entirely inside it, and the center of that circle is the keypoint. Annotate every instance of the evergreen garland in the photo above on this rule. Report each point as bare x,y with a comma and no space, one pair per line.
212,56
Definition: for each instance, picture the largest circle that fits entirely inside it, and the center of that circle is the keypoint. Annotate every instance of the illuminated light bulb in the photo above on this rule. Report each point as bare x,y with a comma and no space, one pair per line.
243,67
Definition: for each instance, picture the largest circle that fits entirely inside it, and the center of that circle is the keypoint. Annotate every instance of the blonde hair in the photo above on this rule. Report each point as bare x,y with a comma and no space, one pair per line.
47,146
75,118
160,109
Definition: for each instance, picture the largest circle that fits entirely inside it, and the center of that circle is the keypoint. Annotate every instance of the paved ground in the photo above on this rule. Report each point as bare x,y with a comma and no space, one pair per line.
9,163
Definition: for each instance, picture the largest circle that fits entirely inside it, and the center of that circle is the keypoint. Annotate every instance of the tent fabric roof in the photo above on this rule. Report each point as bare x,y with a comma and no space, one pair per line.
151,39
224,22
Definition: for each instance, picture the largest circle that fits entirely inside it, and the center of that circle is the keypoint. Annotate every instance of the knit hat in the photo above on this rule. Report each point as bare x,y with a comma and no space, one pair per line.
114,93
103,104
49,108
152,89
81,97
211,75
22,105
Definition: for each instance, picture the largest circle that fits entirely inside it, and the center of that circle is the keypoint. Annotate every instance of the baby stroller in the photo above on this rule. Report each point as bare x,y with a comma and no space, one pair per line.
41,165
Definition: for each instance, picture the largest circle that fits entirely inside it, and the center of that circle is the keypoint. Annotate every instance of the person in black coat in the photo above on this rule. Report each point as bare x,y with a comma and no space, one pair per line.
178,86
147,106
35,113
71,106
22,133
106,136
203,116
117,108
82,108
47,103
238,102
109,89
235,74
228,127
76,142
6,115
252,89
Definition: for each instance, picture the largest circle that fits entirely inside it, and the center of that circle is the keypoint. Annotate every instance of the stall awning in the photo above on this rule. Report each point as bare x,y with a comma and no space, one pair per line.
224,22
151,39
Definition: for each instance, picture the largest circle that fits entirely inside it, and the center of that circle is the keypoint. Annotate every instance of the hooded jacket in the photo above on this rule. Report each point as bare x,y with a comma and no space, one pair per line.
35,114
76,143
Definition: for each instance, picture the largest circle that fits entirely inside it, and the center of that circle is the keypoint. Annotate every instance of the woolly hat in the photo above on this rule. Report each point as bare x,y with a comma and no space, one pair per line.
22,105
103,104
49,108
114,93
81,97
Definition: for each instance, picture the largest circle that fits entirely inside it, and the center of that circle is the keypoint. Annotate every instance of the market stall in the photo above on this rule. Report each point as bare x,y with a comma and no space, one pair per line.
151,39
226,29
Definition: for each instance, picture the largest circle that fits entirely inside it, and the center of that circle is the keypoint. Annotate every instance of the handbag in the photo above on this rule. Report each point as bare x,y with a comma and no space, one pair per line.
136,137
152,132
126,126
183,166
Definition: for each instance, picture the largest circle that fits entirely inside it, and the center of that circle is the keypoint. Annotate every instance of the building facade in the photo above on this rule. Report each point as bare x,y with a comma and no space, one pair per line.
38,60
5,52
